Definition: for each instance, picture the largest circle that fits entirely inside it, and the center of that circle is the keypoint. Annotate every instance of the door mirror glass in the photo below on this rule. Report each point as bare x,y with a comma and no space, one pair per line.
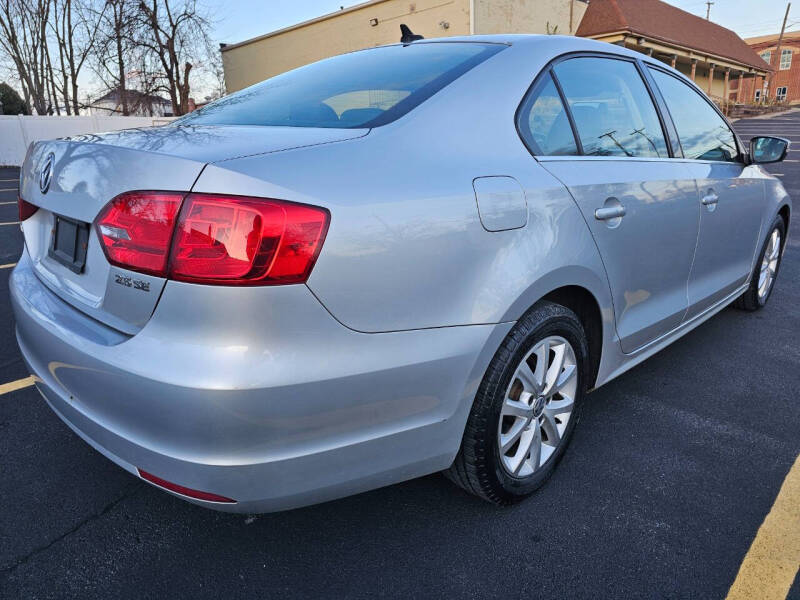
765,149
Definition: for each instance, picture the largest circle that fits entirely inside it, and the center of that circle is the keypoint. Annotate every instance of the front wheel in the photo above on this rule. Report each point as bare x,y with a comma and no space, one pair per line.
526,407
766,270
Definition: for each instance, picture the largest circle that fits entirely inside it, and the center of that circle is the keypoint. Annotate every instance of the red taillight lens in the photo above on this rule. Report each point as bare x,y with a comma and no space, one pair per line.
168,485
224,240
232,240
136,228
26,209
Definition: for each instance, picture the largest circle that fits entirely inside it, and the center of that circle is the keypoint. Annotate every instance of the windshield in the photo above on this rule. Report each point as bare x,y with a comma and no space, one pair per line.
361,89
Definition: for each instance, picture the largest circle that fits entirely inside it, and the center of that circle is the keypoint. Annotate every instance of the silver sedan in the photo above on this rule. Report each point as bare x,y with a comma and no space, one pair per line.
402,260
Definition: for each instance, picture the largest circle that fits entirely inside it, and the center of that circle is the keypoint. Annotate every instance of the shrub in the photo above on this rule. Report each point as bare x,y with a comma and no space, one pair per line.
11,101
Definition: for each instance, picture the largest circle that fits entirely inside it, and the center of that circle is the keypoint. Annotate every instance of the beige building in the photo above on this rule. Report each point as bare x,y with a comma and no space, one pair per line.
377,22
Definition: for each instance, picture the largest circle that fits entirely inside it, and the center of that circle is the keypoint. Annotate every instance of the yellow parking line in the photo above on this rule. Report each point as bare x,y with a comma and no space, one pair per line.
772,563
11,223
13,386
8,266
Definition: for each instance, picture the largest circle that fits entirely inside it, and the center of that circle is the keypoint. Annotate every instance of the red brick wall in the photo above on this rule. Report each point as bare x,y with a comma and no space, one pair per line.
789,77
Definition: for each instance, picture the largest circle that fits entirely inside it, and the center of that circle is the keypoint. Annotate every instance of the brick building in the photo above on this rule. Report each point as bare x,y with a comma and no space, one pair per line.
784,85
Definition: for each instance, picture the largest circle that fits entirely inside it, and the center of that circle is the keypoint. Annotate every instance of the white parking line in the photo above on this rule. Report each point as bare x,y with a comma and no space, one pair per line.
10,223
1,203
8,189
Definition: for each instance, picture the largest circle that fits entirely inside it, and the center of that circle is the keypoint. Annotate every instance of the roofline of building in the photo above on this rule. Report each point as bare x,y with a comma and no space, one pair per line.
302,24
771,38
697,51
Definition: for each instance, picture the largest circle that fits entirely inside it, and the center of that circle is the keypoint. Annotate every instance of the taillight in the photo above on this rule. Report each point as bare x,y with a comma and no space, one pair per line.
136,229
232,240
26,209
214,239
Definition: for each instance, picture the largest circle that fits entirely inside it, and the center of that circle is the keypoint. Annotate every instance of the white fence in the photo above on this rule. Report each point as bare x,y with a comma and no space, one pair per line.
17,132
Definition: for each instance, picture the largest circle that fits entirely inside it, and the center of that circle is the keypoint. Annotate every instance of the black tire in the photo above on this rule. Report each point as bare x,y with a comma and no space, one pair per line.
477,467
750,300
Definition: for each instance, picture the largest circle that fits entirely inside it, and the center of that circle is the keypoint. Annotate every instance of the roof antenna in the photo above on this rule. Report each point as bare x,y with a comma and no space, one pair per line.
407,35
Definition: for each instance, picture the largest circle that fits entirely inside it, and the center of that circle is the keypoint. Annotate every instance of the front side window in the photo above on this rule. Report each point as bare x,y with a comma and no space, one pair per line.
368,88
757,97
786,60
780,94
611,107
703,133
544,124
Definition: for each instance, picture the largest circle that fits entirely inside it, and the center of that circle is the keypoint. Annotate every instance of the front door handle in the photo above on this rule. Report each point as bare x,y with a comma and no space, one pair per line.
710,199
609,212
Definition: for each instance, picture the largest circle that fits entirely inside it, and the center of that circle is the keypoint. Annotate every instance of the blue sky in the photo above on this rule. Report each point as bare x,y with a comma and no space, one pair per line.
239,20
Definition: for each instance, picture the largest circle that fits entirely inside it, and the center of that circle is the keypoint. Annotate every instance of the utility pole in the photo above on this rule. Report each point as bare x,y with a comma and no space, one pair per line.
778,48
708,10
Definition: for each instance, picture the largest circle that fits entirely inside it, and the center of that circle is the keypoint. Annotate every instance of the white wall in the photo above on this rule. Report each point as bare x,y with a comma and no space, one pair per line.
17,132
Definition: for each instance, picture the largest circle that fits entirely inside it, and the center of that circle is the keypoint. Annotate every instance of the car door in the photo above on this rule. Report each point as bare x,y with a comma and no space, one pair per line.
730,195
640,205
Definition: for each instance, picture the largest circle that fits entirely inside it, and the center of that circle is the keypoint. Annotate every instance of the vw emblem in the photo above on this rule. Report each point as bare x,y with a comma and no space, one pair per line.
46,174
538,406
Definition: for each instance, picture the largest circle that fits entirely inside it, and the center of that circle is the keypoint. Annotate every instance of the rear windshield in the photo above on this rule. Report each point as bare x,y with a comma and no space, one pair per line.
361,89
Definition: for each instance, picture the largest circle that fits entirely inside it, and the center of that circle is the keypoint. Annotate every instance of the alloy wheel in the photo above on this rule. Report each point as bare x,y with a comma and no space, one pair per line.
537,406
769,265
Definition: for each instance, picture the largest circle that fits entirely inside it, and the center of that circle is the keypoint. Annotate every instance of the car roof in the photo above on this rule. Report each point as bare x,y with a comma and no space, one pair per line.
555,45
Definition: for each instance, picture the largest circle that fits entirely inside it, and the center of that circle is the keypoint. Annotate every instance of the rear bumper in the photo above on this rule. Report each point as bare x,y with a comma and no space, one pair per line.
255,394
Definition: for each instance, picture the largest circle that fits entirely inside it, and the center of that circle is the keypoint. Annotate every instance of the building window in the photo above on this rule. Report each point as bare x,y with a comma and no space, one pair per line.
780,94
758,95
767,56
786,59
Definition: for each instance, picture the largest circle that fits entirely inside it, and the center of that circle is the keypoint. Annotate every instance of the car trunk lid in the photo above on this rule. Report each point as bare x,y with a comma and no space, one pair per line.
87,172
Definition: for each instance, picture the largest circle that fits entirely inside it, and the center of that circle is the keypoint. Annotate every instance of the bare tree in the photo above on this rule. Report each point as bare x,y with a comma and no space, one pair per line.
177,34
23,37
115,46
137,49
75,24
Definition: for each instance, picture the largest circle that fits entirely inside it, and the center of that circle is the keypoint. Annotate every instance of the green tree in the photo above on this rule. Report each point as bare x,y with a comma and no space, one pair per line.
12,103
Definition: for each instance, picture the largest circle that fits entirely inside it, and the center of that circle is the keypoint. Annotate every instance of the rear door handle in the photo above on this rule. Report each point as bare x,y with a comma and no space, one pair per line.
710,199
610,212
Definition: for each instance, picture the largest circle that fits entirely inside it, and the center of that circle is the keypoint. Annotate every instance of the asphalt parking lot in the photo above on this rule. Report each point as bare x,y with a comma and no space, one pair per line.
672,471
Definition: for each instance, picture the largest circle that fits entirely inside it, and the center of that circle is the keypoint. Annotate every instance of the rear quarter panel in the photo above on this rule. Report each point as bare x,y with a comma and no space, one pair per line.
405,248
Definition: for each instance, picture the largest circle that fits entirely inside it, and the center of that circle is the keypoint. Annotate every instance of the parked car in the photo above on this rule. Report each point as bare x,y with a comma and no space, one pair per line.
397,261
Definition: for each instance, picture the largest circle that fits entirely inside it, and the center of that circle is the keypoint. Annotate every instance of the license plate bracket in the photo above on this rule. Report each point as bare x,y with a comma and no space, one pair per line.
69,243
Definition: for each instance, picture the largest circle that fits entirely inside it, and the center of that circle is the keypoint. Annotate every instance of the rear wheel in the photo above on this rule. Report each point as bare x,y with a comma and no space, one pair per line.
766,269
526,407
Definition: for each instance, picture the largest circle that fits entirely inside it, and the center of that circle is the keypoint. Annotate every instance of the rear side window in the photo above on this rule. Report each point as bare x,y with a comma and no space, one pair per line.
611,107
361,89
544,124
703,134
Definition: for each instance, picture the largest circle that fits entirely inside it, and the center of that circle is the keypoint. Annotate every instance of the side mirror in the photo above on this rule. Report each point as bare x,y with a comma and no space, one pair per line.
764,149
